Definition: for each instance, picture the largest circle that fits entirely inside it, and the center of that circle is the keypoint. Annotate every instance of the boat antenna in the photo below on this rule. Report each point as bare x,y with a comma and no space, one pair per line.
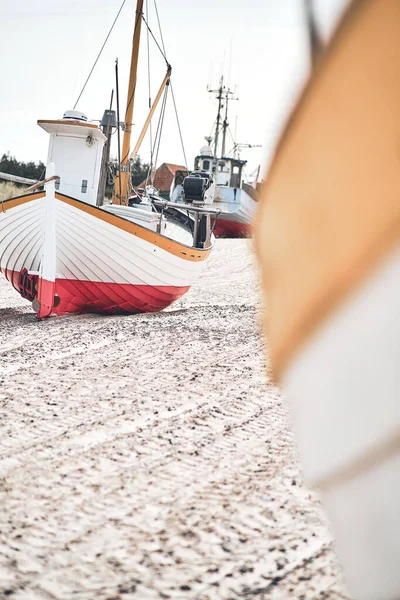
223,95
315,40
225,124
118,129
230,62
99,54
219,98
238,147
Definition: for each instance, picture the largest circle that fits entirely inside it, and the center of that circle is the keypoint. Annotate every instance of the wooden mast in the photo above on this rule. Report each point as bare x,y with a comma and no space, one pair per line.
124,173
165,82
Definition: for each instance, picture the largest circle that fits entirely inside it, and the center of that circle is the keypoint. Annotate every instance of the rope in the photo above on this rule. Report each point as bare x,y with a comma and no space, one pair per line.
99,54
232,138
163,53
212,129
159,127
159,27
179,126
155,41
151,170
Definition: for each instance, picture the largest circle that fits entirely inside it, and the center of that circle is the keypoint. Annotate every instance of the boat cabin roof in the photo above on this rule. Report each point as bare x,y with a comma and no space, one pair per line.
67,126
235,161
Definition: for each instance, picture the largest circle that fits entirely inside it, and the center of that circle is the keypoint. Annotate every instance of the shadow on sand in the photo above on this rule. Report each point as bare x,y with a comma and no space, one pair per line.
16,314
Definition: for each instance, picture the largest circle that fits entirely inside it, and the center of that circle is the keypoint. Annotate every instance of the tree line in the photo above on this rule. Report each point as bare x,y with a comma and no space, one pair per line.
31,170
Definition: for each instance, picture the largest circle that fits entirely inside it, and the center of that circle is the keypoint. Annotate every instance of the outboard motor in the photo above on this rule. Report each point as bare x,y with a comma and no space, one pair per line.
196,187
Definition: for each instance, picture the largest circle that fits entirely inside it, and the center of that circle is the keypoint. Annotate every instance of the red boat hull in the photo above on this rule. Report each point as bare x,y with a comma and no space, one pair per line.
76,296
232,229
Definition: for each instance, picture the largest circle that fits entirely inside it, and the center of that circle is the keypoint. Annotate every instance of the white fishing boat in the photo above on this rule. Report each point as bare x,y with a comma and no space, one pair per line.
66,251
235,199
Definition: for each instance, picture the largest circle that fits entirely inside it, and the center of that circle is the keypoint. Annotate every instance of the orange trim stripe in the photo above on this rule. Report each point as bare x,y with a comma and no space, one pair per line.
186,252
18,200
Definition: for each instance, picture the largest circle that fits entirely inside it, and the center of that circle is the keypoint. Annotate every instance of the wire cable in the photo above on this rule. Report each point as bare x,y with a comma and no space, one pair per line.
157,139
155,41
99,54
179,126
159,27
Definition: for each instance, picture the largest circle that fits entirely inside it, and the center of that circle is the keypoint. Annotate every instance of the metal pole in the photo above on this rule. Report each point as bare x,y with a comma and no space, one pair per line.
118,178
224,126
218,117
107,130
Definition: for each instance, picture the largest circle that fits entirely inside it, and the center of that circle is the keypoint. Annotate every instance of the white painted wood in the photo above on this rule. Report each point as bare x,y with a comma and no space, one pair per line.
235,204
101,251
344,390
87,248
21,236
48,259
76,150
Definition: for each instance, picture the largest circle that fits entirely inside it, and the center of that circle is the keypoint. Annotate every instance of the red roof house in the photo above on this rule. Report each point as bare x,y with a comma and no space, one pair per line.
163,178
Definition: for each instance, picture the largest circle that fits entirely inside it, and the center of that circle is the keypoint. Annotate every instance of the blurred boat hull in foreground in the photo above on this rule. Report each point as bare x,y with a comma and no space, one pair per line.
328,241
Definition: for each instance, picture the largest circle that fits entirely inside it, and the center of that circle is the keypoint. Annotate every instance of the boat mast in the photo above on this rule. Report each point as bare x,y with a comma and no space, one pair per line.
219,97
222,94
124,173
225,125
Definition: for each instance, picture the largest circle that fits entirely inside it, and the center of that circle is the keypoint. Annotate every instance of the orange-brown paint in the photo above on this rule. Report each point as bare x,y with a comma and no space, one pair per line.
186,252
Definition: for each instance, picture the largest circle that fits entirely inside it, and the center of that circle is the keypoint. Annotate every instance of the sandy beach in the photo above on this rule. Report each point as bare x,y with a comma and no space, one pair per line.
149,457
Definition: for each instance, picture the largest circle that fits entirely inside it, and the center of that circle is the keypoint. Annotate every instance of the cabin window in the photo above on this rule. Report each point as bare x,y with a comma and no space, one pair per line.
57,184
206,165
84,186
221,166
235,176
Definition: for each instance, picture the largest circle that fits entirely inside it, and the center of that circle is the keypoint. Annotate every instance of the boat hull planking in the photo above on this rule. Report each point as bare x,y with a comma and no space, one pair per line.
103,262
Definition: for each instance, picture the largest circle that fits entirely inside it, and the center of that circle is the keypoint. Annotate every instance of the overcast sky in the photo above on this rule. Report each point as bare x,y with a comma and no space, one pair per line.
47,48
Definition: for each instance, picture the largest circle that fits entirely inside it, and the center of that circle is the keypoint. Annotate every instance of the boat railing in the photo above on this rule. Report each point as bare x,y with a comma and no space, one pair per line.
185,206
